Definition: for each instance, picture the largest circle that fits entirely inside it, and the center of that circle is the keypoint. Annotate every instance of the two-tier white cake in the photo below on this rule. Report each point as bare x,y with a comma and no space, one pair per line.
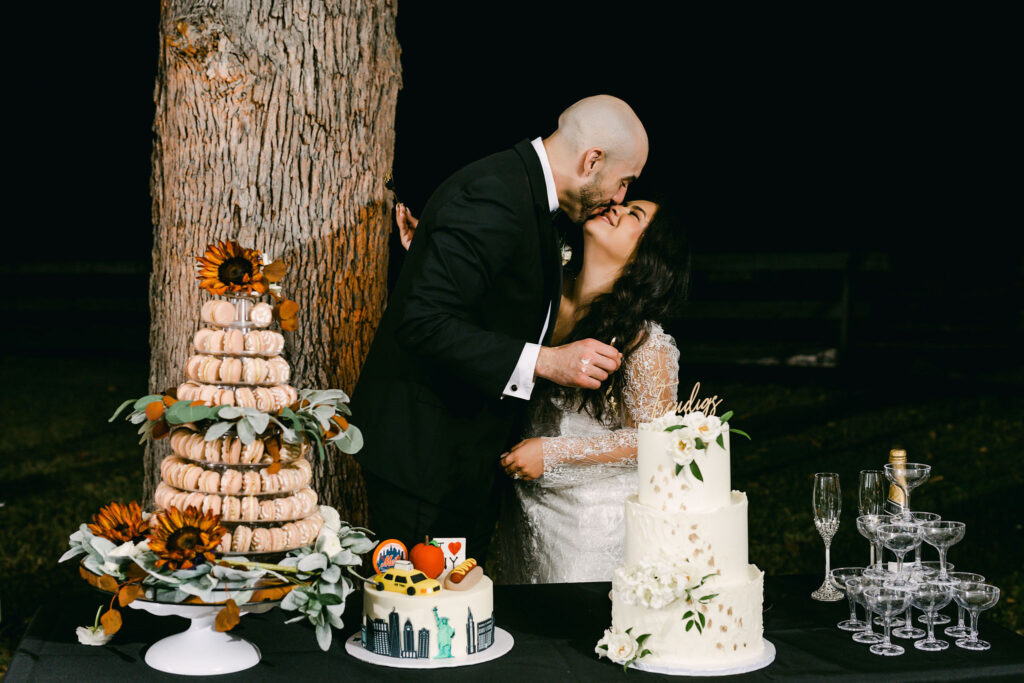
687,591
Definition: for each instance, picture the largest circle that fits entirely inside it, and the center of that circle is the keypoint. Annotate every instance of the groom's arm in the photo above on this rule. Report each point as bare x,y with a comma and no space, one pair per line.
475,235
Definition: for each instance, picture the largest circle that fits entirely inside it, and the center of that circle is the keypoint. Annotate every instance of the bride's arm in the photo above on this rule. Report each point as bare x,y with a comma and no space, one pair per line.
651,377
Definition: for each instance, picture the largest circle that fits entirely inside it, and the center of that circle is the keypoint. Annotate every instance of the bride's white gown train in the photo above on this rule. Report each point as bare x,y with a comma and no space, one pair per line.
568,525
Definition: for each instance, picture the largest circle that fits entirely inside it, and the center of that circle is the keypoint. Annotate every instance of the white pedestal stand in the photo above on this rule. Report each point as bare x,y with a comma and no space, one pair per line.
201,650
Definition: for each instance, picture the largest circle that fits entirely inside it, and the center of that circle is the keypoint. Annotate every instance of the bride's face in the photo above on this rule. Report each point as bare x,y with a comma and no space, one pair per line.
614,232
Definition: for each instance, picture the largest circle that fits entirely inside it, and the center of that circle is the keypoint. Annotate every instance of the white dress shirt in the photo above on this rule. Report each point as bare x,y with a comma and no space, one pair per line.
520,384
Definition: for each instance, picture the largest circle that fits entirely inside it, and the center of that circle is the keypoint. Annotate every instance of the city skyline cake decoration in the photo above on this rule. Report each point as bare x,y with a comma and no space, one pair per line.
392,637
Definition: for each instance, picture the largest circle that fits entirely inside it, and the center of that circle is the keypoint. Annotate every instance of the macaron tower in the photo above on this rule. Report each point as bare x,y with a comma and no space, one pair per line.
260,485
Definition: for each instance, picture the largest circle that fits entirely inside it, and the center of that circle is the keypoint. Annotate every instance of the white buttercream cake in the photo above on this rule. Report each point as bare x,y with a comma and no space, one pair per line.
687,590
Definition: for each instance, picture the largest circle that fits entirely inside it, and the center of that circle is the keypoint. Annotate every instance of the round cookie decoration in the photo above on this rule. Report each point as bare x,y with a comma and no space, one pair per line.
387,553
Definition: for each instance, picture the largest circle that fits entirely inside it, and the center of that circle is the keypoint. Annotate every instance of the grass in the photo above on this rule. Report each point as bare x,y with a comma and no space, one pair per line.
61,460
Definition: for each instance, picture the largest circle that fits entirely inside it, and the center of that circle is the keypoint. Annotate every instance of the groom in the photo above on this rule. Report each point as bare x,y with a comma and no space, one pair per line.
444,388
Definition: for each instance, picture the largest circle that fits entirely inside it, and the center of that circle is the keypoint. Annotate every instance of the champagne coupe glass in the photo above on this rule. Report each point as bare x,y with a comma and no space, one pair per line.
901,539
961,630
856,588
938,618
880,578
827,505
975,597
920,518
907,477
868,525
930,596
871,497
941,535
839,577
887,602
910,582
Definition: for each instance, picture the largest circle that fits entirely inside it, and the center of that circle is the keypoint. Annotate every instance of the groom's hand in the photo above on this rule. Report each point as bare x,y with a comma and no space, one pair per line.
585,363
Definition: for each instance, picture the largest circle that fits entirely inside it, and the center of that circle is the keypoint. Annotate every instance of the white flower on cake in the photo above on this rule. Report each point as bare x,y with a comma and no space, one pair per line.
655,584
683,447
621,647
706,427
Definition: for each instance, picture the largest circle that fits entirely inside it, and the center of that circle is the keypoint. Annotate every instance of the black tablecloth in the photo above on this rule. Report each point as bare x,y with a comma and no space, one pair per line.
555,628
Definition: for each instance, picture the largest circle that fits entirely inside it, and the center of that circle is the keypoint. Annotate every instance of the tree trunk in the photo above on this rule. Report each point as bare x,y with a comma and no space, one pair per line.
275,127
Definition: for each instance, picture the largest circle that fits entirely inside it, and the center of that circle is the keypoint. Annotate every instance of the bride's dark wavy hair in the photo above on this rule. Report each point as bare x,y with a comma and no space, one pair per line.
652,287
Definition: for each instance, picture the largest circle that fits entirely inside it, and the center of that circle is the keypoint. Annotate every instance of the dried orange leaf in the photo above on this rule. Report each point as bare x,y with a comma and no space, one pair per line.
287,309
228,617
108,583
155,410
193,404
290,324
160,430
340,421
129,593
169,400
275,271
273,447
274,468
111,621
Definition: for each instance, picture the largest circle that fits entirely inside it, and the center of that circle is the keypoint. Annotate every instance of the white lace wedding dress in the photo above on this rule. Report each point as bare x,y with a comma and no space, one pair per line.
568,525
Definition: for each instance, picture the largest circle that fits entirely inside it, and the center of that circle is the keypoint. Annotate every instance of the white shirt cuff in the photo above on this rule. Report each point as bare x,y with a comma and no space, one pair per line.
520,384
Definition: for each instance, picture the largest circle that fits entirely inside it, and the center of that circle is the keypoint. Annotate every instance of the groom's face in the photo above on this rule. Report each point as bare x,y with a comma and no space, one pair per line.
607,186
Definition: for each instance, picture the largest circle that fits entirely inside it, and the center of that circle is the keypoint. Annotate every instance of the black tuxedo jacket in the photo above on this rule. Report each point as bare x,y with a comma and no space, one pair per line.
474,288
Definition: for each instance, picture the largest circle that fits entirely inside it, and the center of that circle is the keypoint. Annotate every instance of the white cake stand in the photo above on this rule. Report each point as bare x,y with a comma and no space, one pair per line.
503,642
766,657
201,650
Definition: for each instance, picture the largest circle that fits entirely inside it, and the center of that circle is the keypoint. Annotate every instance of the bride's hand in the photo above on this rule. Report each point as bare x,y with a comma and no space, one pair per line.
525,460
406,224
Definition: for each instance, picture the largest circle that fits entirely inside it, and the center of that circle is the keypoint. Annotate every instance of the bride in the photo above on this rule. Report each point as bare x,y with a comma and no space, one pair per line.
563,520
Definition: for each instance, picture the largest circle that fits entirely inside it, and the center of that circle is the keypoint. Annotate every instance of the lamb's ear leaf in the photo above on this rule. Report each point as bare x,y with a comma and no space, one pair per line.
120,408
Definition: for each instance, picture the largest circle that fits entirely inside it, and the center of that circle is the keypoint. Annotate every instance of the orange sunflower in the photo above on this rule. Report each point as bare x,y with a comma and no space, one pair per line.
119,523
227,268
182,540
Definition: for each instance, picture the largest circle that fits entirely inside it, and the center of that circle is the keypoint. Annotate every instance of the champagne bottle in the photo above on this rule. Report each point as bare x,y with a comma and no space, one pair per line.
895,503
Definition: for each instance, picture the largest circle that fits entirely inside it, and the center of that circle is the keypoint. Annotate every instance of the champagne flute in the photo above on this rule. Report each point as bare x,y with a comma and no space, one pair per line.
907,477
975,597
871,497
827,506
960,630
930,596
887,602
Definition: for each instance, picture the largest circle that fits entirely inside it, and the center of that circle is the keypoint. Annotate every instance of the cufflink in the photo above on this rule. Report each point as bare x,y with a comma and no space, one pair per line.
515,388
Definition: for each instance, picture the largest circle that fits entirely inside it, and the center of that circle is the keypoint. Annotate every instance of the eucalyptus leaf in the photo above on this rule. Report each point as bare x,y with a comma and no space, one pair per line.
696,470
119,409
217,430
323,636
146,400
182,412
229,413
245,431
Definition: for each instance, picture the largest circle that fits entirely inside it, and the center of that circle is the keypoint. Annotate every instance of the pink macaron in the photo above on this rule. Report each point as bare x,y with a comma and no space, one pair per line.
201,340
251,482
212,504
250,508
252,452
284,508
223,312
277,538
261,314
231,508
272,342
206,311
231,370
234,341
245,398
261,540
216,342
267,510
210,481
242,539
231,450
253,341
225,543
231,481
264,399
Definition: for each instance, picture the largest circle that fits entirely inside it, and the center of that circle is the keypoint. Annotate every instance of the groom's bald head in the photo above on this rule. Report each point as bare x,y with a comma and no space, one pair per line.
600,147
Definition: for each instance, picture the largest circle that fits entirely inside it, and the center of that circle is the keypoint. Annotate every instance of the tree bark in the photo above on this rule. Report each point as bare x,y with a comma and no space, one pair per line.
275,127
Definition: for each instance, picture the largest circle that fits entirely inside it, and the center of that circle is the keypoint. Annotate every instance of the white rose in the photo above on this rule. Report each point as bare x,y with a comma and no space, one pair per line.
621,646
707,427
328,543
87,635
332,520
683,447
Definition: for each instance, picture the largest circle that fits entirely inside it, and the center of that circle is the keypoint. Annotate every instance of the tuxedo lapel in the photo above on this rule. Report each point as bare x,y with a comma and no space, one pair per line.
551,257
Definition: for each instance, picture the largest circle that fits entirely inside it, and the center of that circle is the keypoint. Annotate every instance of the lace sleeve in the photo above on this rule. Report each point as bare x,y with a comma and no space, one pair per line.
651,377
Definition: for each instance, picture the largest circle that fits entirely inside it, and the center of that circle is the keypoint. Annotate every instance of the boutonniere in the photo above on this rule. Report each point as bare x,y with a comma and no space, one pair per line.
566,251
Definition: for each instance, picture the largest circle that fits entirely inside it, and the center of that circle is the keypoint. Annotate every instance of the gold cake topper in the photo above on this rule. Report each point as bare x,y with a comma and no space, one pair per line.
708,406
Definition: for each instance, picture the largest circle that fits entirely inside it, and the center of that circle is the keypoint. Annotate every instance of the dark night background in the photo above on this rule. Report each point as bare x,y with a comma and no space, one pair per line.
847,180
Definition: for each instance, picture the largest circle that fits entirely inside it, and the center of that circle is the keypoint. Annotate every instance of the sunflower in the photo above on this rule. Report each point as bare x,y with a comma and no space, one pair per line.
182,540
228,268
119,523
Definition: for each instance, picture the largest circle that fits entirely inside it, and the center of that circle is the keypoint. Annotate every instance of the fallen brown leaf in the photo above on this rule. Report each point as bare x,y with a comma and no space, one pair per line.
129,594
111,621
276,271
108,583
228,617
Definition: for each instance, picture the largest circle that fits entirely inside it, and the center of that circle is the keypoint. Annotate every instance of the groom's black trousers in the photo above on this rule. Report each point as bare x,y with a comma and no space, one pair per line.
396,513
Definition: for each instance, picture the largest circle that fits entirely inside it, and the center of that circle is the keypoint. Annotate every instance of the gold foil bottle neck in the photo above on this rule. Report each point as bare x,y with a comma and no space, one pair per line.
897,456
